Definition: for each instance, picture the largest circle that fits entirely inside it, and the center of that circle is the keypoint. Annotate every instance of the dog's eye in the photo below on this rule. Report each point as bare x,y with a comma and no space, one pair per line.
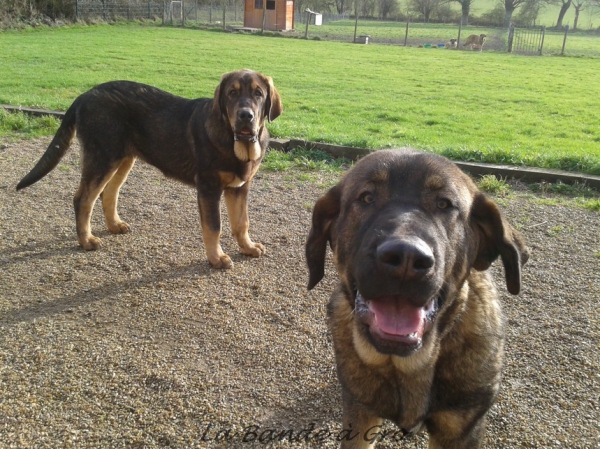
367,198
232,92
258,93
444,203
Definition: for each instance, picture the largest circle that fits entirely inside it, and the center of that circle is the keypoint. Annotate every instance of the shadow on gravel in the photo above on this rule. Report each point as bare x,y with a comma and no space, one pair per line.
68,303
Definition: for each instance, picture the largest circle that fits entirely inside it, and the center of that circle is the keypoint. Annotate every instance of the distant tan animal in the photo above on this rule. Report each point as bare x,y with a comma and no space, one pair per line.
451,43
214,144
475,41
415,319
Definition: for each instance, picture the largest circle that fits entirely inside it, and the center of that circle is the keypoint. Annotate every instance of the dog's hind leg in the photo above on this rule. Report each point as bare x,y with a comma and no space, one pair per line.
236,200
90,188
110,198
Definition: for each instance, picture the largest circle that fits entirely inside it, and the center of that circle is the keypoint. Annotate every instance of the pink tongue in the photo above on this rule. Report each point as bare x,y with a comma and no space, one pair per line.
397,317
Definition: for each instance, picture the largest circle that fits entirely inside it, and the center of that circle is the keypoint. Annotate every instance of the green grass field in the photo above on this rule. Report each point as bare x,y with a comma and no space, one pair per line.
490,106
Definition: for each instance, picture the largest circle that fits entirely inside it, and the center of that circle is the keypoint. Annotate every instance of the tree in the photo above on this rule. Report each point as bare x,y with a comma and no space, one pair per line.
563,10
387,8
510,6
367,8
342,6
465,6
528,13
578,5
424,7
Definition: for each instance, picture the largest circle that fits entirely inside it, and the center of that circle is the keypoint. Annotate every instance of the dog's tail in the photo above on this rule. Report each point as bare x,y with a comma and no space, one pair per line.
55,151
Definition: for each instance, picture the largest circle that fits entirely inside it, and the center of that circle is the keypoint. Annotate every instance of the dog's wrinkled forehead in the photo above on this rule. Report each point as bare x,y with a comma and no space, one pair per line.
408,174
247,81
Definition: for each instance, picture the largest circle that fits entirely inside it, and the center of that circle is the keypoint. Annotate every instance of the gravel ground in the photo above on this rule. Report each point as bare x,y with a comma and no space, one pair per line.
141,344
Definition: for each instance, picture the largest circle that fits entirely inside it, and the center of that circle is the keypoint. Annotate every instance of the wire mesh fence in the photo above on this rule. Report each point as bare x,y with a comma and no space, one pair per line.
517,39
526,40
114,10
169,12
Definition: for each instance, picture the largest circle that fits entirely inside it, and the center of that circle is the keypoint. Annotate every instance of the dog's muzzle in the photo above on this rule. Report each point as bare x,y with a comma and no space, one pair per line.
245,137
394,323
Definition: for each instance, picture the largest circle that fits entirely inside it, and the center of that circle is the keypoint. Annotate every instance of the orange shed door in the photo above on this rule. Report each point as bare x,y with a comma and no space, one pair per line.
289,15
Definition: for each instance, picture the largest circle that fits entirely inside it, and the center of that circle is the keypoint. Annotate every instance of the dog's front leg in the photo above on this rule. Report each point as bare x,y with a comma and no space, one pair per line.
457,430
210,218
361,427
236,200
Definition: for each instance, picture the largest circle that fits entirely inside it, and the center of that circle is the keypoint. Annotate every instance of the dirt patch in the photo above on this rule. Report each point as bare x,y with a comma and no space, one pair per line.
141,344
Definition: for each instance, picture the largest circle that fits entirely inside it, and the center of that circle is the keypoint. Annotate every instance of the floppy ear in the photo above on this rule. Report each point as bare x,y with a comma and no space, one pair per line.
273,105
219,97
497,238
325,213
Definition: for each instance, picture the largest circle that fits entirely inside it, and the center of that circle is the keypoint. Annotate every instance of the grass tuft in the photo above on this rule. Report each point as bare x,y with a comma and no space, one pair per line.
573,190
304,159
493,185
19,125
592,205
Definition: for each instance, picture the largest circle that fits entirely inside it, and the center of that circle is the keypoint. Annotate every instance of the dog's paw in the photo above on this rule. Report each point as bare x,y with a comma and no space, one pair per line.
253,250
119,228
91,244
223,262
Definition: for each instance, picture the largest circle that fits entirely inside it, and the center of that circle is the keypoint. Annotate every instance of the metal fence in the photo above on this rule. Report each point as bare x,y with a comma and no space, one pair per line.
520,40
170,12
87,10
525,40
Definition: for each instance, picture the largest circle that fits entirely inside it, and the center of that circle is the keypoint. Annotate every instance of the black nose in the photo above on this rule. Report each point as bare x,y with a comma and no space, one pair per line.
409,259
246,115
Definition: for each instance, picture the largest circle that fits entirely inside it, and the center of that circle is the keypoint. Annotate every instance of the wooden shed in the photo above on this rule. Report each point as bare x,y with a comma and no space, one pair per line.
279,14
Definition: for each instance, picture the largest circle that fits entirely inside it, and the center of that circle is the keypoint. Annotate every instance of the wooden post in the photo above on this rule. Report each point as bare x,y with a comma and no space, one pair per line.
264,17
511,37
543,37
307,22
562,53
355,19
459,31
406,32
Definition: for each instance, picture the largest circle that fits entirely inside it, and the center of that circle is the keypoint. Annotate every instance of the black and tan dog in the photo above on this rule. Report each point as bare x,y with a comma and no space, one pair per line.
415,319
214,144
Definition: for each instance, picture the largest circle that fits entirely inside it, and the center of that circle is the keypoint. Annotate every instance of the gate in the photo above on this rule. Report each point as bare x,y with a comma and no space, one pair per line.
526,41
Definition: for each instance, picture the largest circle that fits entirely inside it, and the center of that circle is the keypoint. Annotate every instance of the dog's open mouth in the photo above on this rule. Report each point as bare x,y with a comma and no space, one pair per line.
246,135
395,320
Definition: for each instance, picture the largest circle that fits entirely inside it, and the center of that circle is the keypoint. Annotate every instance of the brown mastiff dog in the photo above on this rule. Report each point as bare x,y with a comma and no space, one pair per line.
475,41
214,144
415,319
